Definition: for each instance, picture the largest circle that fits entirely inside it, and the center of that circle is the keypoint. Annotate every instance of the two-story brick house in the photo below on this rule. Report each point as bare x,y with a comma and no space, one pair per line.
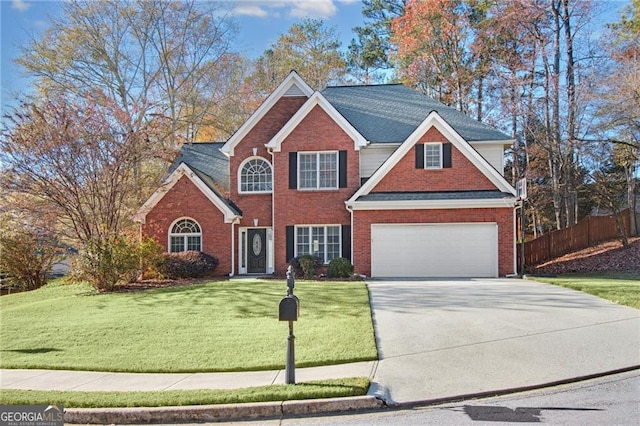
392,180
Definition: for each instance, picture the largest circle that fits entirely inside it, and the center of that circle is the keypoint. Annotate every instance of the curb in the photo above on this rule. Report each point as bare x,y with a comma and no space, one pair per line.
509,391
221,412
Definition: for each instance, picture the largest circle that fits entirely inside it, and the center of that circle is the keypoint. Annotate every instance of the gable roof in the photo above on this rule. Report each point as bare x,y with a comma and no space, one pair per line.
316,100
207,158
206,167
433,120
292,85
390,113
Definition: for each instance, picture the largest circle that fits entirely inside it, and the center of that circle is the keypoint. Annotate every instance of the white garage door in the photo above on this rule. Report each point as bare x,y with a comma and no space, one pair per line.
434,250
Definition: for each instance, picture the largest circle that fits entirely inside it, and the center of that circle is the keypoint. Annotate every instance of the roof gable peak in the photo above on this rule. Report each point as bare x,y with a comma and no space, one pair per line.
292,85
434,120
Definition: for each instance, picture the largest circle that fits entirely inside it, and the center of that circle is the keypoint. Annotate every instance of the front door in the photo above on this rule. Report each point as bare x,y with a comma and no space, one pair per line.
257,253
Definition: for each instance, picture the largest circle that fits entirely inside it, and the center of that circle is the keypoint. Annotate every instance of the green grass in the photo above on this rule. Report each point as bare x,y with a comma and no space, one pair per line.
217,326
311,390
619,287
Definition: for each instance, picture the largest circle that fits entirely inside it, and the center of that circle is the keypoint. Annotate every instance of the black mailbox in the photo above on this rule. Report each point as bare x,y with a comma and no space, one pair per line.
289,309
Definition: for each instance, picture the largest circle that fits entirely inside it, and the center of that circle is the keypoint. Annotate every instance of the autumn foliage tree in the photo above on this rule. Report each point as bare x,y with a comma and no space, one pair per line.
78,157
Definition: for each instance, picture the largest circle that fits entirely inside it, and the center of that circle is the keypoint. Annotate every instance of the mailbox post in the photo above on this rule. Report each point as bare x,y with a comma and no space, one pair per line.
288,311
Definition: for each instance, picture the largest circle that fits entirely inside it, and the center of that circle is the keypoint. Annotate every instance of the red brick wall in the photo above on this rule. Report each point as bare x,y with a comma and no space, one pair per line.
258,206
186,200
316,132
502,216
462,176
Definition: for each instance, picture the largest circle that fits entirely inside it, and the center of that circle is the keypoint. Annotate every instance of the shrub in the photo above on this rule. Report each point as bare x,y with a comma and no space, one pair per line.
26,258
305,266
340,267
188,264
116,260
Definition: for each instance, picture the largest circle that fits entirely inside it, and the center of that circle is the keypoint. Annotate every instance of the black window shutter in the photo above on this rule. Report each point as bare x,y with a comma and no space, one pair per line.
446,155
293,170
346,241
290,243
342,164
419,156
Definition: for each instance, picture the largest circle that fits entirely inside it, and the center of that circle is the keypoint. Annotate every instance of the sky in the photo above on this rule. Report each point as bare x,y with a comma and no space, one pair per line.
260,23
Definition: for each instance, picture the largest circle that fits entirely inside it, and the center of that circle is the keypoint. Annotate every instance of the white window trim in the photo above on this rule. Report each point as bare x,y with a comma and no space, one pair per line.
317,187
255,157
425,155
295,237
184,235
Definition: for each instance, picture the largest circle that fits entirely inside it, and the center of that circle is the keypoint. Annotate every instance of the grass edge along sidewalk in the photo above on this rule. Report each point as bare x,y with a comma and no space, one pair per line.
334,388
219,326
622,288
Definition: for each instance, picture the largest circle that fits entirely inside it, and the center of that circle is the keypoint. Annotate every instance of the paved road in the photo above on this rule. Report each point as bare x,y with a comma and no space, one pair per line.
443,338
611,400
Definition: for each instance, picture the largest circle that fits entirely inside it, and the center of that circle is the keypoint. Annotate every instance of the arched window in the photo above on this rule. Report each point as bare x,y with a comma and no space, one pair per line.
255,176
185,235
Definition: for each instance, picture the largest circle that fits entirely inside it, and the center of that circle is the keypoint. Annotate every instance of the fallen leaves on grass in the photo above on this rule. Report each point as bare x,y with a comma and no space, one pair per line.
607,256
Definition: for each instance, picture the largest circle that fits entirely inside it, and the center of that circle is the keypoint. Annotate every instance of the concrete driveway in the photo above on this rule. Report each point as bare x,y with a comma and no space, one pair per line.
439,339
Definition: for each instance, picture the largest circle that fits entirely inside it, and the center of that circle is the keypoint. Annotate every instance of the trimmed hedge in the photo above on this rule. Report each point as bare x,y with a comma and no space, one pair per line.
188,264
340,267
305,266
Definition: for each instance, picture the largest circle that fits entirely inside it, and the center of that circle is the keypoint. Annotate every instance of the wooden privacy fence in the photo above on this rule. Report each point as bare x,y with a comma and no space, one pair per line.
585,233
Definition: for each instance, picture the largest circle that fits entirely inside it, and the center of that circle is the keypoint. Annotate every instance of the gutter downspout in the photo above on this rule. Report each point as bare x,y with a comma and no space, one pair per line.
350,210
273,206
233,248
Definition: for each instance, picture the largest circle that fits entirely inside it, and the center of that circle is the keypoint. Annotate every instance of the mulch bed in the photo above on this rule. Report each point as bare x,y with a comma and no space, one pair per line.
607,256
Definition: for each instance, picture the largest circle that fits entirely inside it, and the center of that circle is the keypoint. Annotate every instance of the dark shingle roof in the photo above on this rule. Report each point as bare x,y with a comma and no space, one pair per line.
209,164
389,113
207,158
427,196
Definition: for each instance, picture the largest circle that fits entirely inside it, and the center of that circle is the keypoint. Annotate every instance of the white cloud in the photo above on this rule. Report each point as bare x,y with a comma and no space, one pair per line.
20,5
292,8
348,1
250,10
312,8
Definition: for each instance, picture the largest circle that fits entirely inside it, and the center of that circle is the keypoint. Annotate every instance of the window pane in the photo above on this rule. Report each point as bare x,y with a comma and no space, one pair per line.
432,156
333,243
177,244
256,176
193,243
308,167
317,242
185,226
328,170
302,242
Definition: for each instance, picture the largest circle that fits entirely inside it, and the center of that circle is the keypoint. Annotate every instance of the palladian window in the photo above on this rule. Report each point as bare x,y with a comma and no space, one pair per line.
185,235
256,176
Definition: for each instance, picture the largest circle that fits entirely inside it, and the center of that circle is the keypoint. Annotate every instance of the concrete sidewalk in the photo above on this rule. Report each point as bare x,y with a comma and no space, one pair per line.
86,381
438,340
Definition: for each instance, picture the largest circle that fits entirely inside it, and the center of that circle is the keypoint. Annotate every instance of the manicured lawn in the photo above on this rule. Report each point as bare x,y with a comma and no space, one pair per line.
619,287
309,390
217,326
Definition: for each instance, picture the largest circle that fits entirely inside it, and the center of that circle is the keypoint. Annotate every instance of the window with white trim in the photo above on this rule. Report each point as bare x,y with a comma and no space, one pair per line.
185,235
432,155
321,241
256,176
318,170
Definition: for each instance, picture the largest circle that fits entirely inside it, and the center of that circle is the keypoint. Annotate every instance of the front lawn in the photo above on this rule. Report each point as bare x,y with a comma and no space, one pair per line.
217,326
620,287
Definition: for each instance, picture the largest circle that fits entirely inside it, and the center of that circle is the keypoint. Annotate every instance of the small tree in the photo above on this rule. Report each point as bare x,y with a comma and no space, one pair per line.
26,257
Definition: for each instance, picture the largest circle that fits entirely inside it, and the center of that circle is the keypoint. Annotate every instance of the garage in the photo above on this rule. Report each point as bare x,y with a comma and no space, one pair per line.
434,250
